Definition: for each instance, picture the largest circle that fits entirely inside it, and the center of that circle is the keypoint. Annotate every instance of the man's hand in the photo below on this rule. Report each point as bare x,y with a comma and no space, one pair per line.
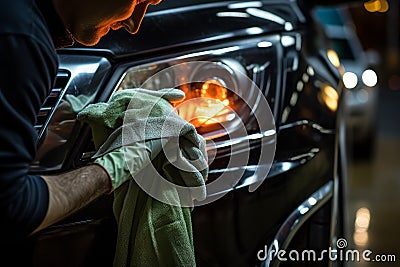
123,163
70,191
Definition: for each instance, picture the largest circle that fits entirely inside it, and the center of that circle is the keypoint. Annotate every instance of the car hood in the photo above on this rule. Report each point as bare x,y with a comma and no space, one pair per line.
167,27
358,67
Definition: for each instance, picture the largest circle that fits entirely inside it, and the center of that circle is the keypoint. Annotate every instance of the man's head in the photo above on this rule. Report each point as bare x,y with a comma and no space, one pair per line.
89,20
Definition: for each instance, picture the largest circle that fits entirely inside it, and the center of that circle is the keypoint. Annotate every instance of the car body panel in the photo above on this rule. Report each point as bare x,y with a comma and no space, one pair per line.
204,23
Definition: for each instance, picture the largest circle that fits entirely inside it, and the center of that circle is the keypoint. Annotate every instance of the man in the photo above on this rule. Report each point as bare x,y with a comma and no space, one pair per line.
30,32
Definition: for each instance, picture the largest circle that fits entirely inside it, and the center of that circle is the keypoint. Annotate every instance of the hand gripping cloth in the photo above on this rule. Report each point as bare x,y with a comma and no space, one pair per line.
152,211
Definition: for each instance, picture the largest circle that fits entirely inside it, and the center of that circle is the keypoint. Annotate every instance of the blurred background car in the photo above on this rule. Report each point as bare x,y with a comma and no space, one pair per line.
360,78
373,188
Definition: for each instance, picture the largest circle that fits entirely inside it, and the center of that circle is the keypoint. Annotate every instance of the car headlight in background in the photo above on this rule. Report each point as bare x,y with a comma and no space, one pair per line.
329,97
369,78
333,58
350,80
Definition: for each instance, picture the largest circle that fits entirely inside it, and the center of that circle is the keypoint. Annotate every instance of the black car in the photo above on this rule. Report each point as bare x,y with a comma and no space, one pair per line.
274,142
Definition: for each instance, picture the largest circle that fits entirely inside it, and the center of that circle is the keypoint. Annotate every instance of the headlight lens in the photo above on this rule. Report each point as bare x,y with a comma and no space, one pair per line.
227,108
207,103
333,58
214,91
369,78
329,96
350,80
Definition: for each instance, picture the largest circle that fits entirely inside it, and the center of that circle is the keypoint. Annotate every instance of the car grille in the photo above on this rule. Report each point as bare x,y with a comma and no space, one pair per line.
51,102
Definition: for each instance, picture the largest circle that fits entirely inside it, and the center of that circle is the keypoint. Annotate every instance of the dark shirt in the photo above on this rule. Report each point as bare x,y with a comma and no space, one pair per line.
28,66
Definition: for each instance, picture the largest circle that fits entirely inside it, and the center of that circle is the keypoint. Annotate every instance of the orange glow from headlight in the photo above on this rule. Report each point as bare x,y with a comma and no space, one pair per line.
330,97
384,6
372,6
333,58
206,103
215,90
377,6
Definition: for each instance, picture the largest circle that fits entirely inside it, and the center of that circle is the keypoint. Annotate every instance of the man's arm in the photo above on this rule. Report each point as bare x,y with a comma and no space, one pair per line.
73,190
29,203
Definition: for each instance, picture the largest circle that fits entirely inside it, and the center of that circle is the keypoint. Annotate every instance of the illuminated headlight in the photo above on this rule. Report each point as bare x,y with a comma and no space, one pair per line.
216,91
227,108
224,103
333,58
369,78
350,80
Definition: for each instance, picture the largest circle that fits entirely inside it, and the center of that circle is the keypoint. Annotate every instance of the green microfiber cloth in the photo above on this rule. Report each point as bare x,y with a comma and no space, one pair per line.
78,103
152,232
150,108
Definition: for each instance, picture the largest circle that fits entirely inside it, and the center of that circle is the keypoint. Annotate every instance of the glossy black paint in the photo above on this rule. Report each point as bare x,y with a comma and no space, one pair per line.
169,29
229,231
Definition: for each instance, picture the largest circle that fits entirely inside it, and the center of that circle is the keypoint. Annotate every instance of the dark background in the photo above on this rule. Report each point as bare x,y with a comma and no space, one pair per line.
374,184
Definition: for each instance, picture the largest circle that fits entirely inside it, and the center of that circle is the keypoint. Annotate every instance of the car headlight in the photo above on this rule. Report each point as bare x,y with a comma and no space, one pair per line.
369,78
226,107
216,91
350,80
333,58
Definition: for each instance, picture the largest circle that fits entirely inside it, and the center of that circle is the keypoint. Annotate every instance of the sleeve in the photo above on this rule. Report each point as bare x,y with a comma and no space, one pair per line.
27,73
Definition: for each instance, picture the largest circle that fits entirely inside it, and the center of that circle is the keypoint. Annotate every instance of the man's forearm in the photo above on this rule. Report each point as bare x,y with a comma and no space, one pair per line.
70,191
